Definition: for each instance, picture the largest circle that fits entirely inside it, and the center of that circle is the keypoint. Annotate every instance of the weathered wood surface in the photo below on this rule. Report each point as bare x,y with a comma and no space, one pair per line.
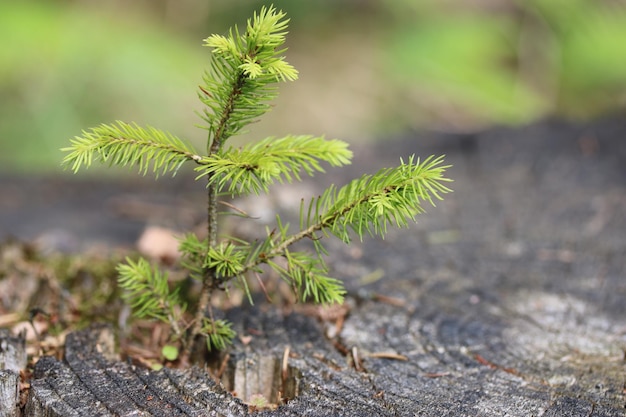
92,382
12,361
507,299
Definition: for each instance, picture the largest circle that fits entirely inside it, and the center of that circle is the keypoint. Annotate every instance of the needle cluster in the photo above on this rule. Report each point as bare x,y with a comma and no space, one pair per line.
236,89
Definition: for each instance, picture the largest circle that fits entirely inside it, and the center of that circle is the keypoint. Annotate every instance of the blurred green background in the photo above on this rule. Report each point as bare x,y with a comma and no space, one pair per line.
368,68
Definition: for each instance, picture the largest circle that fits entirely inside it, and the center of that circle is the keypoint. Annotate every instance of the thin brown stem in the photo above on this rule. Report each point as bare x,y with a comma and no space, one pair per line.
208,281
214,145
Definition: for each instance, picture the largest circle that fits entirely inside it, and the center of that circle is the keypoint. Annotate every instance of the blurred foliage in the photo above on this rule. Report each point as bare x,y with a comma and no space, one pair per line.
462,74
67,67
487,62
589,37
368,67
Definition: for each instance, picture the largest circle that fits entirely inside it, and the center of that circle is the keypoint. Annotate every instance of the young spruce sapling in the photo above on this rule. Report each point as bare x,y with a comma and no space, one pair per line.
244,68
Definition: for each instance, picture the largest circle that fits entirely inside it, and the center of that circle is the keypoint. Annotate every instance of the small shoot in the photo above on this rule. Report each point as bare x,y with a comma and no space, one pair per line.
245,65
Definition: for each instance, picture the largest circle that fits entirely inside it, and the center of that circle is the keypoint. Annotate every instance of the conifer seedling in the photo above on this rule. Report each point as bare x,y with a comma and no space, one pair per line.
235,91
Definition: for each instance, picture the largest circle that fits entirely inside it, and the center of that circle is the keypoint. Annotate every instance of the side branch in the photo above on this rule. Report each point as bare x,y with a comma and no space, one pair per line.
371,201
125,144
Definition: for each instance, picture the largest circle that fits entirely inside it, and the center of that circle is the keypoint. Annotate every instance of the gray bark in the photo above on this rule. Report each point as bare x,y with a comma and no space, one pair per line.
12,361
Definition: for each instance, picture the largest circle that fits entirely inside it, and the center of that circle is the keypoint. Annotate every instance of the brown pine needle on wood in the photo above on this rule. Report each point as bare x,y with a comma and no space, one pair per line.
388,355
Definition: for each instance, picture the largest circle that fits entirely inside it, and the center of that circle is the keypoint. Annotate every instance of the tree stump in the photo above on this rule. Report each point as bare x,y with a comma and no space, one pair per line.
12,361
507,299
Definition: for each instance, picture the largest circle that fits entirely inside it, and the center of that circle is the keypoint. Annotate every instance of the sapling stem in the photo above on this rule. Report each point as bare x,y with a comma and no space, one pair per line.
208,274
215,142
